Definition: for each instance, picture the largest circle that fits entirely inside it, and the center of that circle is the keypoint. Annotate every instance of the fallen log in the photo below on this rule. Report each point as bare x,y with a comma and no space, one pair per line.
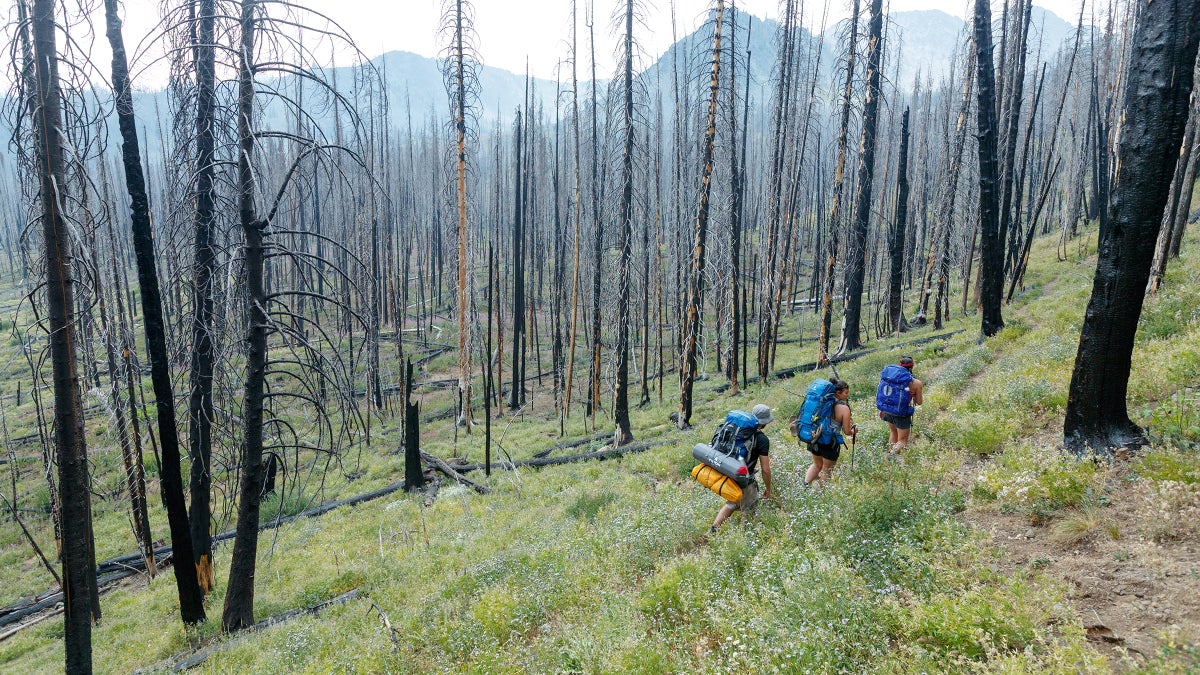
572,444
118,568
610,453
195,659
452,474
786,373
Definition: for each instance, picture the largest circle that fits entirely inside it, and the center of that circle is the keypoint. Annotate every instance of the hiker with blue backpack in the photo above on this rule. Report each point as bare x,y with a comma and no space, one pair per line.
758,449
825,420
896,397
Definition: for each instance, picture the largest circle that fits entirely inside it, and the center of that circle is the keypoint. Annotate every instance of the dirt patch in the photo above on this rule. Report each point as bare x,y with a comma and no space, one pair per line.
1134,595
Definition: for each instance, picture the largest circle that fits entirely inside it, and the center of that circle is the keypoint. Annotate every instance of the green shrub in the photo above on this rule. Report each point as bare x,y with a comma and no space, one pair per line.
1036,481
980,621
674,593
282,505
1014,329
1176,419
889,528
1168,463
980,433
1171,312
985,435
587,506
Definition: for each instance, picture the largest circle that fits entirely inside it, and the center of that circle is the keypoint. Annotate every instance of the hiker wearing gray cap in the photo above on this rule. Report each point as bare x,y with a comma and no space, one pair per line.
759,454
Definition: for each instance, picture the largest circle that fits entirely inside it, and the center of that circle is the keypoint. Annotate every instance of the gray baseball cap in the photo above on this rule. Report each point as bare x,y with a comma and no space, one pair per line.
763,413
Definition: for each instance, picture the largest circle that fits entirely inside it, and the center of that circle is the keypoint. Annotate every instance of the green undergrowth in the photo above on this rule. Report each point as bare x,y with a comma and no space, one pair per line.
607,566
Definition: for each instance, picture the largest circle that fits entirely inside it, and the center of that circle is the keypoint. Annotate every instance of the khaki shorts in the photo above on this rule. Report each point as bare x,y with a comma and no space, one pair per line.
749,497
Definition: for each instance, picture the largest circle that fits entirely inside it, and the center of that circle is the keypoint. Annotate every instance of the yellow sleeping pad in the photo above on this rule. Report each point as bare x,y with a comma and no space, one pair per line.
717,482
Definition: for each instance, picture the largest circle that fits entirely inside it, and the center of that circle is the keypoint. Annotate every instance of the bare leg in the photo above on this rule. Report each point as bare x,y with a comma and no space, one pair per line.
813,470
722,515
826,468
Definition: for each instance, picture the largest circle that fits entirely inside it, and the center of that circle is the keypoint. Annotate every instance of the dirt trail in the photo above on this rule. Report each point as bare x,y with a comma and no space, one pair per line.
1131,593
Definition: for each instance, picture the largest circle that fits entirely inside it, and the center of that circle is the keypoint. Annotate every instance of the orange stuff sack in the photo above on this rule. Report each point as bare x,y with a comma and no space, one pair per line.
718,482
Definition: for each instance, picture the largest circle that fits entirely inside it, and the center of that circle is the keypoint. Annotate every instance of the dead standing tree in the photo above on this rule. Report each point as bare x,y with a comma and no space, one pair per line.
856,247
768,309
315,412
991,247
839,183
46,120
624,431
458,70
203,351
898,233
140,218
1180,205
1155,110
695,287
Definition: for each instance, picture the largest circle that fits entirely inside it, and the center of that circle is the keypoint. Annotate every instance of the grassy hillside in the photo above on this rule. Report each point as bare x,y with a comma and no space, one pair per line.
971,553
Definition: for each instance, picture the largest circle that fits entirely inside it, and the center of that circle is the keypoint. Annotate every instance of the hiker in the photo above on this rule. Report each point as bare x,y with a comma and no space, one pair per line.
760,450
825,455
898,392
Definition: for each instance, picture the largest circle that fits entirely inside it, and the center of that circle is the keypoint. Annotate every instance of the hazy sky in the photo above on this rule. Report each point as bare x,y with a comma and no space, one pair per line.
510,31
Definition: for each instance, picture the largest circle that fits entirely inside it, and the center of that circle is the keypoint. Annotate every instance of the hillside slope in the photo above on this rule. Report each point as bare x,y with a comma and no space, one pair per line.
981,549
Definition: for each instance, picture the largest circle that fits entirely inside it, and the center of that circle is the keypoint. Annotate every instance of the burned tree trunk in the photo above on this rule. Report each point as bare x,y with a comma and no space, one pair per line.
695,294
191,596
516,396
737,177
578,171
457,75
856,248
768,314
1154,115
1175,217
899,231
200,402
414,477
597,241
991,247
624,431
839,186
239,596
78,575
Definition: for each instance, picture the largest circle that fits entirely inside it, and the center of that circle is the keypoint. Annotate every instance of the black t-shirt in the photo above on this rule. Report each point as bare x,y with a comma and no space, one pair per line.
762,448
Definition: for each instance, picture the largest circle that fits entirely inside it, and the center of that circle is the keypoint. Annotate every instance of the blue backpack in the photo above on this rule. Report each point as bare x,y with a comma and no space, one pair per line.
893,396
816,424
735,437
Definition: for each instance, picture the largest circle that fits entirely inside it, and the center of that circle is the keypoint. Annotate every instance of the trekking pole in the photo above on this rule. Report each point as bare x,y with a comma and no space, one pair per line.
853,444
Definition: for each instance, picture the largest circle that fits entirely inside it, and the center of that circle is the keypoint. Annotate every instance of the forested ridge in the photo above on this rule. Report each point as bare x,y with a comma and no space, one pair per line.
388,389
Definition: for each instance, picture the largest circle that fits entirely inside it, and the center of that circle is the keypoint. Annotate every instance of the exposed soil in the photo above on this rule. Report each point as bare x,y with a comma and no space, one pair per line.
1130,593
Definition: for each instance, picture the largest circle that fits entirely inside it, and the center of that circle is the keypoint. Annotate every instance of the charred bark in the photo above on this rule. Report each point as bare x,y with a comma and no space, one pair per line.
898,234
695,303
77,554
991,247
856,247
1154,115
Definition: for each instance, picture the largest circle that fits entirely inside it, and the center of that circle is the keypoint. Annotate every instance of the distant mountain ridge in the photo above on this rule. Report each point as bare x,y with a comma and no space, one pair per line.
414,85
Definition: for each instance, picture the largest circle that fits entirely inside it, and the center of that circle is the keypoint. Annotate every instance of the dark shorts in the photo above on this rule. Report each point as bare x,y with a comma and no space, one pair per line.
900,421
829,451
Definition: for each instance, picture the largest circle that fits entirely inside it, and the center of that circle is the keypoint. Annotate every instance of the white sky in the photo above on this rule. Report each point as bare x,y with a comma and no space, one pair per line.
510,31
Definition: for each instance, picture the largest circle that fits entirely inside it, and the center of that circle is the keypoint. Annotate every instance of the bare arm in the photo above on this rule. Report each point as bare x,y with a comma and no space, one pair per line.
842,414
916,389
765,462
